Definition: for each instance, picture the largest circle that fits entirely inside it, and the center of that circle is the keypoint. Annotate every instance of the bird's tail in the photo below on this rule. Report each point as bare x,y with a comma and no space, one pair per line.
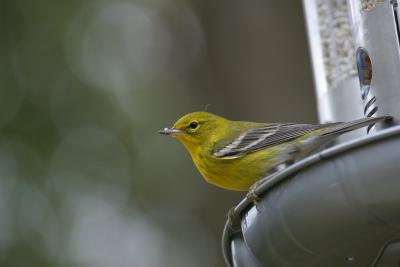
343,127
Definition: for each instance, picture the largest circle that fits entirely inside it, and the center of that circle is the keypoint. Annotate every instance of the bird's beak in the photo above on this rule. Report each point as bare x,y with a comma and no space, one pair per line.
170,131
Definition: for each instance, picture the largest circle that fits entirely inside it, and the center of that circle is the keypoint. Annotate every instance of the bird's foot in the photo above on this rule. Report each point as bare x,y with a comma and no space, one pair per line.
252,195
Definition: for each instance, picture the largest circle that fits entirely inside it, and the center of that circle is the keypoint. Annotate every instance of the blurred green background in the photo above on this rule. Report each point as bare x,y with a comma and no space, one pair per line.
85,180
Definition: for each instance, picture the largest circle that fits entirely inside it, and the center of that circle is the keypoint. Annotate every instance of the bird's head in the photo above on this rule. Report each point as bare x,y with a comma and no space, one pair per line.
195,128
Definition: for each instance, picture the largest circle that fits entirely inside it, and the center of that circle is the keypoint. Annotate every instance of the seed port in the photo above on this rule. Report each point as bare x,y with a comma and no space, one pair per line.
364,68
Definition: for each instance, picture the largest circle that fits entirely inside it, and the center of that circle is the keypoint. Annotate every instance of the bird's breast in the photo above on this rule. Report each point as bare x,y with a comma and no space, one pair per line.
235,173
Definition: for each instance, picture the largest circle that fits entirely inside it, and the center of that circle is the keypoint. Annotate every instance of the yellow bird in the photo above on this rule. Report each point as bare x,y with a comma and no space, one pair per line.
235,154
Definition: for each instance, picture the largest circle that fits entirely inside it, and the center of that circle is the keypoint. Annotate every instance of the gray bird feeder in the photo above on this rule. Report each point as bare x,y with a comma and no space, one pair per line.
341,206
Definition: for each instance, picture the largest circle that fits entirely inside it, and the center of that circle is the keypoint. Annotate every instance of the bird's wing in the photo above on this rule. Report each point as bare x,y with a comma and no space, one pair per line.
259,138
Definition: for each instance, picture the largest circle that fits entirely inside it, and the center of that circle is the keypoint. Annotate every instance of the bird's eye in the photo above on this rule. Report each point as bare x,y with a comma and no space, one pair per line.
194,125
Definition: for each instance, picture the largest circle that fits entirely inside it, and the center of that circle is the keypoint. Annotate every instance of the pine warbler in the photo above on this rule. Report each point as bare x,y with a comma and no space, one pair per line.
235,154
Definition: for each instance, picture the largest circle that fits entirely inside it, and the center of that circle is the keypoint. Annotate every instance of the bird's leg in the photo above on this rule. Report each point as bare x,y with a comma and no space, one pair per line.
252,195
230,216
